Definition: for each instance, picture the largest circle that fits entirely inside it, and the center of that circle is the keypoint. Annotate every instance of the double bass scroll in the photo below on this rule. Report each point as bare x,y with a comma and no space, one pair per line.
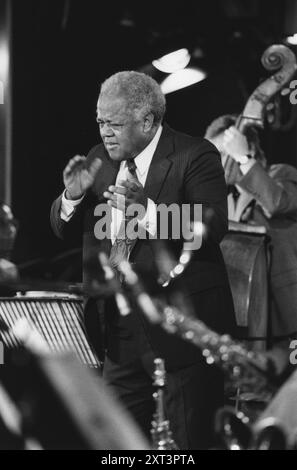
277,58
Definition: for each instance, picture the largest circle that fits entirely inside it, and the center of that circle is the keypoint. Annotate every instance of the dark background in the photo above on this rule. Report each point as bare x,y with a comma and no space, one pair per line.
62,50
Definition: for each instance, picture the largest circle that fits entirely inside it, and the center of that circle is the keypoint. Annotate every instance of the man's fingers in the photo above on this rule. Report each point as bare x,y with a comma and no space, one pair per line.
118,190
86,176
95,167
228,135
78,158
112,204
74,162
232,132
116,205
228,138
113,197
77,164
110,196
116,201
130,185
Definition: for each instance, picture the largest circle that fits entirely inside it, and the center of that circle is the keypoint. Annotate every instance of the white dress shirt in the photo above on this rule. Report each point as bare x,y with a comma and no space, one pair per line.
236,209
142,162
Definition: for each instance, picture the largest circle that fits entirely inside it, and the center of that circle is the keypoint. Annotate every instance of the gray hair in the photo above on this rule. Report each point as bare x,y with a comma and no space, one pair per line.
143,94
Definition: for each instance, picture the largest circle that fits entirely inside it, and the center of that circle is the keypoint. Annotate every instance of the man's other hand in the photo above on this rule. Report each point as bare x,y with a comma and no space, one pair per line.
127,193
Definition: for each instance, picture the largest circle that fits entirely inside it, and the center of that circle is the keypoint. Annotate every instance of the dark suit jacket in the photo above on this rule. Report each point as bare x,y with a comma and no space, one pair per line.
275,206
183,170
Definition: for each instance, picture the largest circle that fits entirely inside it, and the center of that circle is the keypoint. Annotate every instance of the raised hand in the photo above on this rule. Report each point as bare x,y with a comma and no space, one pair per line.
77,178
235,144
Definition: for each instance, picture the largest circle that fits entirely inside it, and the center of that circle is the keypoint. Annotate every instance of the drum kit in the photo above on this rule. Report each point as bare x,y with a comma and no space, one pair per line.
52,395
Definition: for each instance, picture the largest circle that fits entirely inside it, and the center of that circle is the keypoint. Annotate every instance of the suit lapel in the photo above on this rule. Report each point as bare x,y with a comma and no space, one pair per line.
159,168
160,165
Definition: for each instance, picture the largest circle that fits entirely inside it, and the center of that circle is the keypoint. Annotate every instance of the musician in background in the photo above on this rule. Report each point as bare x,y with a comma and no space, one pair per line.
265,195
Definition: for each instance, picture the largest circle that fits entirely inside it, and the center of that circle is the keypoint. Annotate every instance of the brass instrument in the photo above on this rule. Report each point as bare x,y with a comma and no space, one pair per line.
242,366
268,434
233,429
160,432
237,433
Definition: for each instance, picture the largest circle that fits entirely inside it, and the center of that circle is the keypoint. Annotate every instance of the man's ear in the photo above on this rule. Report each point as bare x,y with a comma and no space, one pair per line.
148,122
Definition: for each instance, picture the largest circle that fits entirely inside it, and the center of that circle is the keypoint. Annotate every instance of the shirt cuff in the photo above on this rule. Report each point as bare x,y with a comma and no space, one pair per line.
68,207
149,221
247,166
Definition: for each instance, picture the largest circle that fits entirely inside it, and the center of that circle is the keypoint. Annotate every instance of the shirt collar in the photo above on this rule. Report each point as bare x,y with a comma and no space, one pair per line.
143,160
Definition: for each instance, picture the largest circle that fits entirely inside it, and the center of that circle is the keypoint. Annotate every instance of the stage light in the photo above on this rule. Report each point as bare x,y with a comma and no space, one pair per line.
173,62
292,39
4,58
182,79
4,63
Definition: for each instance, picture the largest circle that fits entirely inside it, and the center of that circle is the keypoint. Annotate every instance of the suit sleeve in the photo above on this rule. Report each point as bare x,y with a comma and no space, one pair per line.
275,192
205,184
64,229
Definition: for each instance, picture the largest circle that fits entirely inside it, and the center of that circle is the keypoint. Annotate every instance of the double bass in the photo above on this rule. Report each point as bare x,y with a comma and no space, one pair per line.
245,246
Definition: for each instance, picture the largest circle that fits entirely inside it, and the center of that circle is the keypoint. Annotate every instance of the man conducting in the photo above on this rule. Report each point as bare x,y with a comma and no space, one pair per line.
143,161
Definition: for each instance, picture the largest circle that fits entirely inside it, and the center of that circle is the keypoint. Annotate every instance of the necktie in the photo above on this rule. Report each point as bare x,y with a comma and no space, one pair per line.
122,246
132,167
234,191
